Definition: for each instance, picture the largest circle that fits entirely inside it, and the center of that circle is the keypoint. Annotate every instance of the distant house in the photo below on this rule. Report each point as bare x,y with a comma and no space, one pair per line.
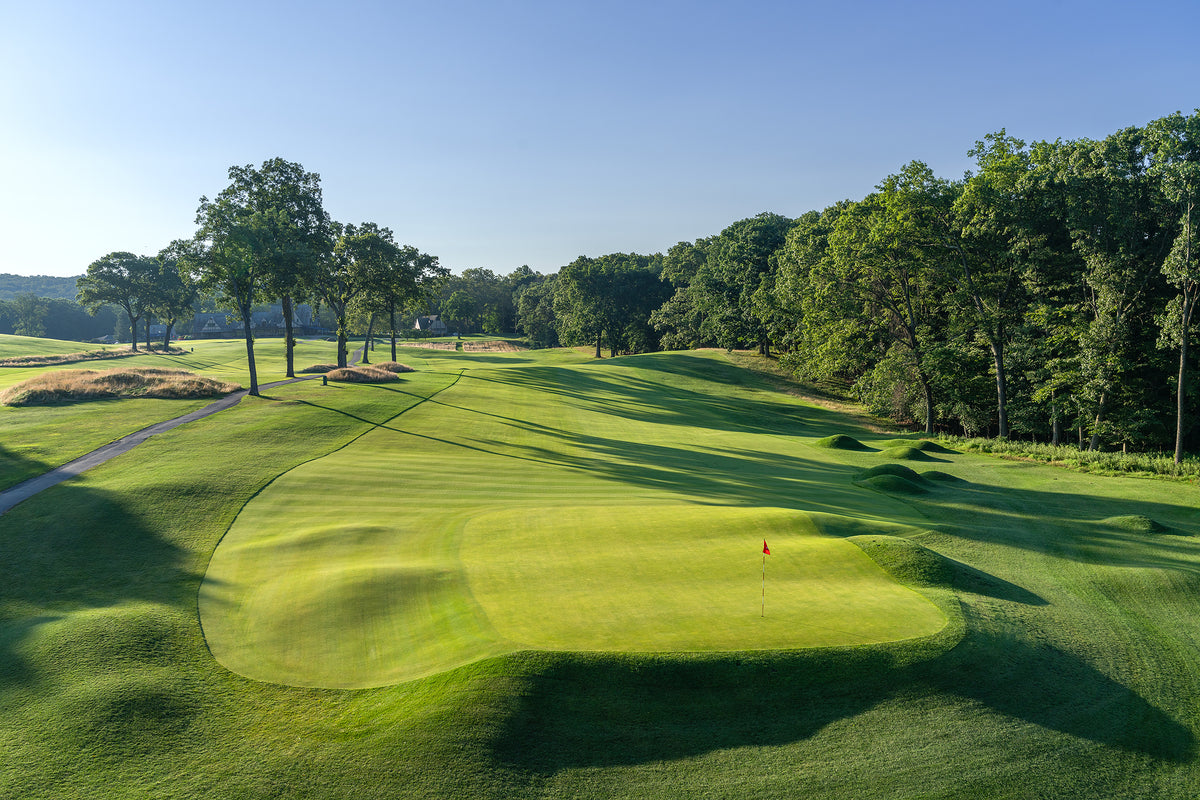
431,325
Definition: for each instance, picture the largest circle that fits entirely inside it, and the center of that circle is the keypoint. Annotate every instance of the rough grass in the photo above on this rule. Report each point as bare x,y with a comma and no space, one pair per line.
394,366
318,369
367,374
1071,671
1160,465
74,386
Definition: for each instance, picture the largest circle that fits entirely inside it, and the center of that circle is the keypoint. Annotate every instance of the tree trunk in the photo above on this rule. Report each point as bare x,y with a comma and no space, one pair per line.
1001,388
928,392
341,345
598,335
366,359
133,321
1181,386
249,349
392,322
1094,444
167,337
1055,422
148,334
288,339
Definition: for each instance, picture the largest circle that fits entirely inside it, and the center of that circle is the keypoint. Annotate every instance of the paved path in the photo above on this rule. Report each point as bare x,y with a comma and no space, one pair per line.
27,489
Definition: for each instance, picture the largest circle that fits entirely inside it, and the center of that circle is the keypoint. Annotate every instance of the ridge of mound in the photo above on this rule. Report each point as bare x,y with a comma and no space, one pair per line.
840,441
919,444
906,561
944,477
1135,523
906,453
79,385
899,470
894,484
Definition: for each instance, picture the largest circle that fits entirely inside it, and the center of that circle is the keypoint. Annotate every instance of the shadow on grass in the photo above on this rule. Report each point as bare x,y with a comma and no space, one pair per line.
606,711
78,548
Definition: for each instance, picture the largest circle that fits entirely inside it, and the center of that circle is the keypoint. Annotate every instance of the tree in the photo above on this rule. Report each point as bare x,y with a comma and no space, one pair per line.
360,258
460,308
122,279
404,276
738,263
535,312
1115,227
292,235
224,257
173,293
1174,142
29,313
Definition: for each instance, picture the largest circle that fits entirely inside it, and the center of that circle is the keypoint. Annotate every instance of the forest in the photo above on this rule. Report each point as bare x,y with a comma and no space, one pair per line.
1046,295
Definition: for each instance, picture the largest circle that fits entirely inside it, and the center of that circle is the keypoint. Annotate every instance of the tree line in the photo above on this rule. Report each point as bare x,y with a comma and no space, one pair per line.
267,236
1048,294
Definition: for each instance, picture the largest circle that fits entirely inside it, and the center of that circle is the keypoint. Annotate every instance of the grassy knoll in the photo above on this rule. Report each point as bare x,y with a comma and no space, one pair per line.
1068,669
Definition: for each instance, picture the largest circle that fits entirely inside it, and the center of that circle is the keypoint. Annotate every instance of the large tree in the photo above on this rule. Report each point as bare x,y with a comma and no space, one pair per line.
360,255
293,236
225,258
401,277
122,279
1174,142
174,293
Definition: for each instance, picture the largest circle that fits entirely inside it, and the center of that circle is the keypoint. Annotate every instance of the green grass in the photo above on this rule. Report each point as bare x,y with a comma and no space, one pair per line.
36,440
1068,668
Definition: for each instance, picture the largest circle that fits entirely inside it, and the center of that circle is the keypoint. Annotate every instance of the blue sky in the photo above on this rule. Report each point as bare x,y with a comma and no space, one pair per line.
506,133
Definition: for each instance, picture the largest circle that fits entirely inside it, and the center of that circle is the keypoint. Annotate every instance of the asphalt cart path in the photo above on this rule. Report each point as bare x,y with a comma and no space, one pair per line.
27,489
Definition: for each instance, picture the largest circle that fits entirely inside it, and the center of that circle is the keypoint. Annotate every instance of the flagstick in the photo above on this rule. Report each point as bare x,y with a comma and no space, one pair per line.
764,596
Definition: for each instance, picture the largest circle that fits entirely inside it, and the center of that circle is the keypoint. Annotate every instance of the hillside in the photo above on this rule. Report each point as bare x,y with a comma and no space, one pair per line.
39,285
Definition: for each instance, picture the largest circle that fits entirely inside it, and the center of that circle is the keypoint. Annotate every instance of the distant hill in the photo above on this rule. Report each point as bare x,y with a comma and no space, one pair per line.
40,285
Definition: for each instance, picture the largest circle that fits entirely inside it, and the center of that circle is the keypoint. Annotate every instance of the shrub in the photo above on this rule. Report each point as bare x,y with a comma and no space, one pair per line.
318,369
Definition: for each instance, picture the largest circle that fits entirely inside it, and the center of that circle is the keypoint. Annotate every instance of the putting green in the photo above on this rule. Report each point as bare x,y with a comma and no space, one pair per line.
578,507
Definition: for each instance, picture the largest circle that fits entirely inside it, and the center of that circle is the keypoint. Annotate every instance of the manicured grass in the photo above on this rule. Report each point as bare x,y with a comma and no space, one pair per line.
1070,670
445,558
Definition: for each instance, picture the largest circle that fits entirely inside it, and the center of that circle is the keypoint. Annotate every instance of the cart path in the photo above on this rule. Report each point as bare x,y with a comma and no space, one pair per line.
27,489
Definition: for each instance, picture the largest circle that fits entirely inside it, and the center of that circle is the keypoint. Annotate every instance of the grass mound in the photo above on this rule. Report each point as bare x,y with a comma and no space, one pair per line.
907,561
840,441
942,477
920,444
395,366
894,484
899,470
318,369
906,453
73,386
370,374
1135,523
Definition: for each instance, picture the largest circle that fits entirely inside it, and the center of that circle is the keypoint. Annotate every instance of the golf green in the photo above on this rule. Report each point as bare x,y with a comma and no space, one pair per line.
582,507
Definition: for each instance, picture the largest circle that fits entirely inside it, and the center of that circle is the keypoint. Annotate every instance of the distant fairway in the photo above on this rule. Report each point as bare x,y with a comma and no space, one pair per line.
590,507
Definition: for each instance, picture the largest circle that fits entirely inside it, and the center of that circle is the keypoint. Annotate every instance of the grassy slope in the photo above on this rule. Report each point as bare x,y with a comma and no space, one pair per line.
1075,675
540,507
38,439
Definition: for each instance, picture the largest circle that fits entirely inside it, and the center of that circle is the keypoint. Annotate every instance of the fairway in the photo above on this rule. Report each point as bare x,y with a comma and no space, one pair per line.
581,507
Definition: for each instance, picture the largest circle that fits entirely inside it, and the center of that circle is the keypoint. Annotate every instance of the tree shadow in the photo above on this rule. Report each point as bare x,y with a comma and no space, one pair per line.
598,711
1069,524
74,548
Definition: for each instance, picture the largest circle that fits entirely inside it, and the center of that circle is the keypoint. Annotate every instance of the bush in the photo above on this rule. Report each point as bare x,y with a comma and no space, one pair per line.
393,366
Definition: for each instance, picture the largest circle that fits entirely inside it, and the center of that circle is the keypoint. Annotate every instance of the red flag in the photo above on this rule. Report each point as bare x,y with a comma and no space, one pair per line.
766,550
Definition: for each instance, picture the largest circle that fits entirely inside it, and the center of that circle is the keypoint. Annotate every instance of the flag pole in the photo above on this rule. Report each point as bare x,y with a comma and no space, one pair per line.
766,552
